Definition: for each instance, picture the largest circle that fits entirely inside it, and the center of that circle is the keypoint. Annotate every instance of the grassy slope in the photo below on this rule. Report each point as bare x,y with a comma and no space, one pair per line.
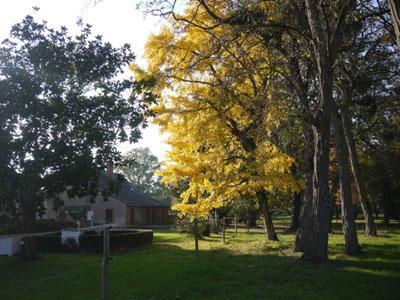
244,268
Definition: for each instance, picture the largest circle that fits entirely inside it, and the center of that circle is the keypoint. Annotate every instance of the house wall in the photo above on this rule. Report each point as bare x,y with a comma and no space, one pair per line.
119,211
122,214
137,216
148,216
99,207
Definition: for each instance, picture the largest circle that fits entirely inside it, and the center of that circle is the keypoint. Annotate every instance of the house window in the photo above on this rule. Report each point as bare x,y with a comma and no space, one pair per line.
109,215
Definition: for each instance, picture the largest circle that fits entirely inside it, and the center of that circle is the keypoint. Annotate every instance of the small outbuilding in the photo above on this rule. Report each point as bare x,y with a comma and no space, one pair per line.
127,206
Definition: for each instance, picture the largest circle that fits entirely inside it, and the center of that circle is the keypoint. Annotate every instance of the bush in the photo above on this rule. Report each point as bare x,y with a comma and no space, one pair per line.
70,245
205,230
183,226
120,240
45,225
42,225
10,225
49,243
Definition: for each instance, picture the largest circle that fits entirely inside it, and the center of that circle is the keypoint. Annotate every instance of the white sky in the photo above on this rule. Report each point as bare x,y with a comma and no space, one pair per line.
117,20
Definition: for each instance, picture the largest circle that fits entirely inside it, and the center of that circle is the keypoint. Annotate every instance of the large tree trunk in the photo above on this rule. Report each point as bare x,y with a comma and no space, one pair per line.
370,228
316,248
303,233
28,251
348,222
325,47
394,6
296,206
262,199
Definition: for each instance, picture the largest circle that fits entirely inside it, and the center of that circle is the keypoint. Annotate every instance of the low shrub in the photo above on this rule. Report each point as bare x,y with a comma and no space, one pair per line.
183,226
43,225
46,225
120,240
52,243
49,243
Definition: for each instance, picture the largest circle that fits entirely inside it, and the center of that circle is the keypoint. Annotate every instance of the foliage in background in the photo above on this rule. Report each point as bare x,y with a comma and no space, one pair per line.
140,167
64,108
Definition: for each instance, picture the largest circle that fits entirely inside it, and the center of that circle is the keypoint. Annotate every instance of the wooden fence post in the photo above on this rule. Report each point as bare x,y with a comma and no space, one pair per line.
223,230
106,258
215,221
196,239
236,226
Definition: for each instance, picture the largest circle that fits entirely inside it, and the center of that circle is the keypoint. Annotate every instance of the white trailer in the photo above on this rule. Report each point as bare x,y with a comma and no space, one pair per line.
9,245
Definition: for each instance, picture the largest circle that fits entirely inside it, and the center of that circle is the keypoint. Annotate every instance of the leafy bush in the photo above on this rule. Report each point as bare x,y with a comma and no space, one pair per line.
119,240
46,225
183,226
43,225
70,245
49,243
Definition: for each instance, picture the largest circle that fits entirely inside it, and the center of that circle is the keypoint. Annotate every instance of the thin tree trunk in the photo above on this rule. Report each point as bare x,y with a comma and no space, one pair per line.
223,230
337,212
352,246
251,219
394,6
370,228
303,233
266,214
196,239
296,206
236,226
216,222
106,259
333,191
331,212
386,201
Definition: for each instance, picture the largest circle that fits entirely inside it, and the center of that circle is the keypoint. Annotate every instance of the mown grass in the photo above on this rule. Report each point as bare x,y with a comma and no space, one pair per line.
244,268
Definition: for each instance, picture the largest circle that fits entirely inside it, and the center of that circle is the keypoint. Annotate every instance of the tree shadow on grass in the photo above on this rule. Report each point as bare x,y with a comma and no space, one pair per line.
221,274
171,272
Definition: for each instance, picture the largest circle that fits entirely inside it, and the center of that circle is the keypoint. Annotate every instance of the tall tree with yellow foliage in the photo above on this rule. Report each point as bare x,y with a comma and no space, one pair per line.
305,36
221,103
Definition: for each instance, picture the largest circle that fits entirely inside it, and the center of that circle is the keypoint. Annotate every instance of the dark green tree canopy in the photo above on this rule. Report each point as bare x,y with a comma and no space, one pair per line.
63,108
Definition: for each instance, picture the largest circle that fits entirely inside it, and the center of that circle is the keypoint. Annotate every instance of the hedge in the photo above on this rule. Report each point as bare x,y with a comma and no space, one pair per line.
49,243
92,241
119,240
42,225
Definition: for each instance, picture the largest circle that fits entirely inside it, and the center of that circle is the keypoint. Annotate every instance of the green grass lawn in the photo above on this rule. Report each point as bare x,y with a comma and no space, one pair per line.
244,268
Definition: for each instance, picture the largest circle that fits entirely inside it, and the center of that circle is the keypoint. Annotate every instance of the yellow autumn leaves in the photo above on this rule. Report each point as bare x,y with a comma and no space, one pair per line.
220,104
